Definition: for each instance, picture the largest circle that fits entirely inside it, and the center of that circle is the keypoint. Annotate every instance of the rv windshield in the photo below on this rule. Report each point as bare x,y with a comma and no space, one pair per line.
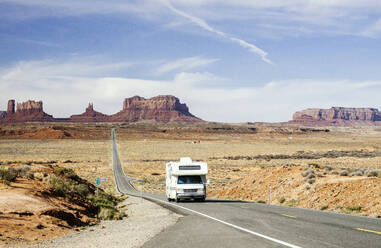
189,180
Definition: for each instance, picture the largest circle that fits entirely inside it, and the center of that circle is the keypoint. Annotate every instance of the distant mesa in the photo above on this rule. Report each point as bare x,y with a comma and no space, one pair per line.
159,109
135,109
28,111
339,116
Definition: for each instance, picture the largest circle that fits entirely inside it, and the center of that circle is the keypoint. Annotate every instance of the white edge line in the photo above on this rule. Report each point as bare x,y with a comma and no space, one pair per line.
228,224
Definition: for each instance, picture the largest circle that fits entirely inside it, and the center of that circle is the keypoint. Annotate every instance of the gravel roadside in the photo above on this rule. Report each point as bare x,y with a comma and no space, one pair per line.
145,220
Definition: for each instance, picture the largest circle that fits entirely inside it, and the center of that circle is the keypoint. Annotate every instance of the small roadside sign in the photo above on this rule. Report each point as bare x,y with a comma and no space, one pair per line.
98,181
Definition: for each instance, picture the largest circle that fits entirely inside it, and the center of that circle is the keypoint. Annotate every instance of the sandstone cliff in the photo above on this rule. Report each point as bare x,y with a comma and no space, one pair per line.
160,109
338,116
90,115
11,107
26,111
3,114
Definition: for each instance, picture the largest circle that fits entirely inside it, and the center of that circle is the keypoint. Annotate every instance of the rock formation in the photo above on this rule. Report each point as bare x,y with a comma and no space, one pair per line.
338,116
3,114
90,115
26,111
160,109
11,107
157,109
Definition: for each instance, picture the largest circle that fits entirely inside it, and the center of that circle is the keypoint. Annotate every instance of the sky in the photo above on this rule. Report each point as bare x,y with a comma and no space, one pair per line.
229,61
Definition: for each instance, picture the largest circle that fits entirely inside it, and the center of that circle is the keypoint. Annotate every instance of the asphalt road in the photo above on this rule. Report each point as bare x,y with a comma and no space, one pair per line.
217,223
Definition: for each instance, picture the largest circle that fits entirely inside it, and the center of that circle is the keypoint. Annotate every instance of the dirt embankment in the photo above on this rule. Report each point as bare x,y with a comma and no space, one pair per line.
39,202
344,190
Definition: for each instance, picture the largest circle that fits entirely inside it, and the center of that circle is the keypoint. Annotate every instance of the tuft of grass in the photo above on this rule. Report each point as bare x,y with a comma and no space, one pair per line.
324,207
282,200
261,201
354,209
291,203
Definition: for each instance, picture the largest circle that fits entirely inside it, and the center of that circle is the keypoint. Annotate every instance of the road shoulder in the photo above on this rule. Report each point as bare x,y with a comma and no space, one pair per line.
145,220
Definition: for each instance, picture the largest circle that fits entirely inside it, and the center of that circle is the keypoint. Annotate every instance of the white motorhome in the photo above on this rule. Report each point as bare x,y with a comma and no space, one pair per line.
186,179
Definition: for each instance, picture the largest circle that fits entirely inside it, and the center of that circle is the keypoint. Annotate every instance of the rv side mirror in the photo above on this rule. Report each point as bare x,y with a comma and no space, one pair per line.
208,181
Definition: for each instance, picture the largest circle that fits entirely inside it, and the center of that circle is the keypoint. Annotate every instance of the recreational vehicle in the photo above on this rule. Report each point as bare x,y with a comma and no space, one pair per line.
186,179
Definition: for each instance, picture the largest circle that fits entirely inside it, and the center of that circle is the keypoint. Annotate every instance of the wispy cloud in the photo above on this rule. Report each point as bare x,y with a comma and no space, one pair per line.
373,30
201,23
184,64
28,41
333,17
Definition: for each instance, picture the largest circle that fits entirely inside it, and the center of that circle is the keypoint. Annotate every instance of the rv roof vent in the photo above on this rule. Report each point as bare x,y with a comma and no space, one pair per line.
185,160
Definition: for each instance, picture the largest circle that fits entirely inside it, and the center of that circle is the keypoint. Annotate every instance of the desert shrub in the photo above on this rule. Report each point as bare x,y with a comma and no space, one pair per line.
324,207
22,171
371,173
291,203
106,205
310,176
343,173
81,189
66,172
353,208
316,166
7,175
59,186
261,201
282,200
311,180
307,186
357,173
29,175
67,184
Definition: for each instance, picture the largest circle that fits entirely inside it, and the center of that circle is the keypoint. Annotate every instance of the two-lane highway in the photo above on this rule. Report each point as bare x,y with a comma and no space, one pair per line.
239,224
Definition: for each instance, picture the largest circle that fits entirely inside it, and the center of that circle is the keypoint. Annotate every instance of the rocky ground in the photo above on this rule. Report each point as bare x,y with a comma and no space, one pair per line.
354,191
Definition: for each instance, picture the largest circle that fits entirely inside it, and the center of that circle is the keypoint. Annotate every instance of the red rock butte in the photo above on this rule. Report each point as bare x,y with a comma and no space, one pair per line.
135,109
339,116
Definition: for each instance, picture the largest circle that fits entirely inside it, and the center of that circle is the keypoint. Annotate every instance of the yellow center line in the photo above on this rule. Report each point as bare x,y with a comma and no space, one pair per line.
367,230
244,207
289,216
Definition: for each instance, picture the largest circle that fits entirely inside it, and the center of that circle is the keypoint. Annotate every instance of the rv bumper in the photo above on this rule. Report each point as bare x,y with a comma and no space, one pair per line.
190,195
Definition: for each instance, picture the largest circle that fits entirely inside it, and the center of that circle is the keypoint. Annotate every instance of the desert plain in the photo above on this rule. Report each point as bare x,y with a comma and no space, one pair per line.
330,169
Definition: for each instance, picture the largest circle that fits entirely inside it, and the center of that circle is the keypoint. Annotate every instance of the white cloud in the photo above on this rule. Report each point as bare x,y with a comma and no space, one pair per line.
65,93
184,64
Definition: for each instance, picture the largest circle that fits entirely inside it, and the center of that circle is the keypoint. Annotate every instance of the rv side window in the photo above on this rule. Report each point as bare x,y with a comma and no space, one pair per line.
189,180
